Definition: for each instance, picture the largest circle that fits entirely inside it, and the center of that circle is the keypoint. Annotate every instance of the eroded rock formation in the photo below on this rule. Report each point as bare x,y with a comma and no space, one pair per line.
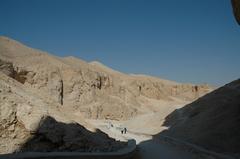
91,88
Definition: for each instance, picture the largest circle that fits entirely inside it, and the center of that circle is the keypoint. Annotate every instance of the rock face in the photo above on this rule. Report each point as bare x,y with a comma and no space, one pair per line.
28,123
92,89
15,113
212,121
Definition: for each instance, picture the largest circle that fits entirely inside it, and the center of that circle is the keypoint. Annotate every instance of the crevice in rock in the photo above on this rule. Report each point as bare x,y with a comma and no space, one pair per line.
61,92
20,76
139,88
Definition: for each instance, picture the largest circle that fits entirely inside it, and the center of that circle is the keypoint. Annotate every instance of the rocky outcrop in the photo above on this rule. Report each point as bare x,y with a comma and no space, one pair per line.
11,130
55,136
28,123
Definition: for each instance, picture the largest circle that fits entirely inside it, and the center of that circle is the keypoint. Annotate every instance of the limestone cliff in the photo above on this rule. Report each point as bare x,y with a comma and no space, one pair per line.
92,89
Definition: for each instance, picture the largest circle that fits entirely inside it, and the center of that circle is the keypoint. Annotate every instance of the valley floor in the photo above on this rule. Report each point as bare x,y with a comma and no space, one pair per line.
147,146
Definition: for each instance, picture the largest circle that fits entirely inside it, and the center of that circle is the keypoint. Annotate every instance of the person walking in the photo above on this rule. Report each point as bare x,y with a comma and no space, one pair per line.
125,130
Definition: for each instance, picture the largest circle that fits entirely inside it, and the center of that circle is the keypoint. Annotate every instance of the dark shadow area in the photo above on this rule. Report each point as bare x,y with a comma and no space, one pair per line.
157,149
54,136
15,73
212,121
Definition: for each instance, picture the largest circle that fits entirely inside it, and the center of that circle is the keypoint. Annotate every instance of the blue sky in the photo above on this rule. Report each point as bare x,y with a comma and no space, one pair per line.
186,41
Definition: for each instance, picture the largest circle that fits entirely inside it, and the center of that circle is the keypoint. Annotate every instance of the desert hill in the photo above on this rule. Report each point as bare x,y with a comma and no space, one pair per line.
92,89
39,91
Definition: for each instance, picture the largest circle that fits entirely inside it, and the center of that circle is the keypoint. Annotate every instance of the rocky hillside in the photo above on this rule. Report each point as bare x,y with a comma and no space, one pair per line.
45,99
29,121
212,121
91,89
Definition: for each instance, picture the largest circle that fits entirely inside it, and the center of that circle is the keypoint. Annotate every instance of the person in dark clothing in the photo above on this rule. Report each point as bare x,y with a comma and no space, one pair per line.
122,131
125,130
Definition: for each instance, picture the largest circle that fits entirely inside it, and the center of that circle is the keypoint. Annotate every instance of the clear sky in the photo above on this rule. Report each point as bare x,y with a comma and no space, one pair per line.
182,40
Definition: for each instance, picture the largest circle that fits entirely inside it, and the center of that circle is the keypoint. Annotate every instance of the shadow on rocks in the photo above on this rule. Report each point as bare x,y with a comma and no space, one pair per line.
52,136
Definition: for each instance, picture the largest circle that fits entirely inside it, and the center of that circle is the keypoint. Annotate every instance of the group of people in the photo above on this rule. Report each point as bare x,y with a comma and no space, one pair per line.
124,131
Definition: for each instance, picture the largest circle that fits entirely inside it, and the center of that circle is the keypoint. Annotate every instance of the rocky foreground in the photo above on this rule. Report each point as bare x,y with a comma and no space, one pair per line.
27,123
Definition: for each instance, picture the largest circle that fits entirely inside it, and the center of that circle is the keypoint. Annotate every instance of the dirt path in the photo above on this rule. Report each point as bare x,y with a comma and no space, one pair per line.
148,148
